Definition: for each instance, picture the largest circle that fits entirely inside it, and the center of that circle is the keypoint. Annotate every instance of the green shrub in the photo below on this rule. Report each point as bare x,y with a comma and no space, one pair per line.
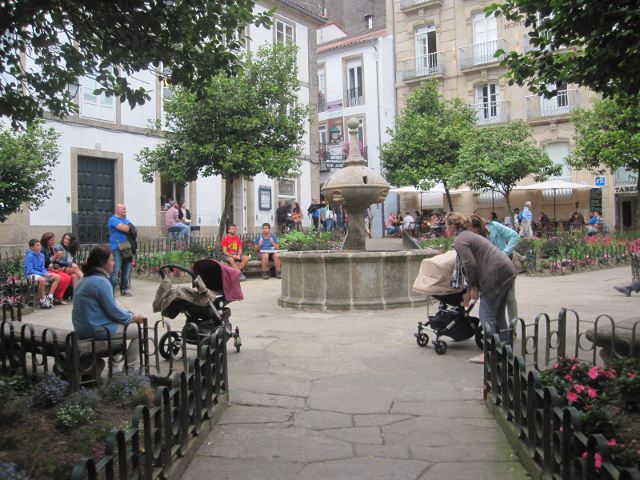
72,416
10,387
86,398
129,389
49,391
442,244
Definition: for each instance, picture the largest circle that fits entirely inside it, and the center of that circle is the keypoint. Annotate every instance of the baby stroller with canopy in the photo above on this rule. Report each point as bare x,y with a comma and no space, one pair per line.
204,304
452,320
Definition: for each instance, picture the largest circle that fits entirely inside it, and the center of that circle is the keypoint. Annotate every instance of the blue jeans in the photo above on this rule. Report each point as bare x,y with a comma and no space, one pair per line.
492,314
328,224
122,267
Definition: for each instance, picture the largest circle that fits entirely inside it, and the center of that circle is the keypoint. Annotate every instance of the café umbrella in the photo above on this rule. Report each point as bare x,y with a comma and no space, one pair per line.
554,186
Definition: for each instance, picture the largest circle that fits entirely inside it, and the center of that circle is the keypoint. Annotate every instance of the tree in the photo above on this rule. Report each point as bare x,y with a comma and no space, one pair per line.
188,40
607,138
241,126
426,140
26,161
594,43
497,158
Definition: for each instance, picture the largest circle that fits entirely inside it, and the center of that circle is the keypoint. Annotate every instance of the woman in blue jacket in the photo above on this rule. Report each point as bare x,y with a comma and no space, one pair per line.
95,310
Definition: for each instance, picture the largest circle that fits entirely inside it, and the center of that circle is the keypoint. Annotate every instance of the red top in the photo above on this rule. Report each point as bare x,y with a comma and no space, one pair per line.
233,244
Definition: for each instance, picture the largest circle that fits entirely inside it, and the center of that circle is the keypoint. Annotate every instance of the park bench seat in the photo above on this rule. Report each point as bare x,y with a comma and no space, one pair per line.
625,342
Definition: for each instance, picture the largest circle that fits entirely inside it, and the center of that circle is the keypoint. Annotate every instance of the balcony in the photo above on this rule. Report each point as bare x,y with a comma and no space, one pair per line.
407,5
480,54
415,69
354,97
561,105
491,113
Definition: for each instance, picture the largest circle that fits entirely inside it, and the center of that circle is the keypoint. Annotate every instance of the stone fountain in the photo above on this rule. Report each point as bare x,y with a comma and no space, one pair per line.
353,279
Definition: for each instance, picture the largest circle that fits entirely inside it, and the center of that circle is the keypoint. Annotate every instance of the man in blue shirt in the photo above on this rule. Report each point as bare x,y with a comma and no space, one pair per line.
525,223
266,245
118,229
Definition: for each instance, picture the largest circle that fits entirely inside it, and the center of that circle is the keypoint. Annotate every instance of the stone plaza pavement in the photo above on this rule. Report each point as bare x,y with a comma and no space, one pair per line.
350,395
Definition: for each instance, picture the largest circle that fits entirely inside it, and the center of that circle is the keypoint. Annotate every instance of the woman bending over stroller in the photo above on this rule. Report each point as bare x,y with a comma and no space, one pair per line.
488,272
95,309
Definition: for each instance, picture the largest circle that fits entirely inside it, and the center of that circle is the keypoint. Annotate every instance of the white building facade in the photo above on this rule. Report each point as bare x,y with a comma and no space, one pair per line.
355,79
97,167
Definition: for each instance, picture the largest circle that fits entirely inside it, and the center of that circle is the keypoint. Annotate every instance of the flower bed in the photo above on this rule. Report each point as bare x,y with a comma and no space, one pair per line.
44,430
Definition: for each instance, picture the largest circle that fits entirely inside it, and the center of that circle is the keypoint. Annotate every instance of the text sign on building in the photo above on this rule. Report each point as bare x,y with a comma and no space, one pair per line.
264,197
334,106
600,181
334,161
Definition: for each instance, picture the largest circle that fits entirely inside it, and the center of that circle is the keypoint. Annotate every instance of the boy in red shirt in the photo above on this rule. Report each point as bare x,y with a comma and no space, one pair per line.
232,250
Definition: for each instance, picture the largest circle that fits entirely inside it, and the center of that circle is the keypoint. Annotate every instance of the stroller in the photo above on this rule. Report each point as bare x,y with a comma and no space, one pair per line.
452,320
203,303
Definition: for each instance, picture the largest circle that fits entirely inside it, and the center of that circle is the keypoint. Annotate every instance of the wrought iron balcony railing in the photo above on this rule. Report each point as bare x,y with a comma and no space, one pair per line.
481,53
354,97
561,104
428,65
411,4
490,113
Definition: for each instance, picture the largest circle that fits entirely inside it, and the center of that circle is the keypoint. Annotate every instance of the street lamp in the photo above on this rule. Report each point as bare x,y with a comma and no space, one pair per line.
335,133
73,88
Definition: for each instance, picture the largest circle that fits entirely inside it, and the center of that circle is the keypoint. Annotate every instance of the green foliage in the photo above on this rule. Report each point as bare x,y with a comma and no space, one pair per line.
241,126
128,389
49,391
497,158
27,160
442,244
190,41
73,415
595,44
11,387
607,138
300,241
428,135
628,383
86,398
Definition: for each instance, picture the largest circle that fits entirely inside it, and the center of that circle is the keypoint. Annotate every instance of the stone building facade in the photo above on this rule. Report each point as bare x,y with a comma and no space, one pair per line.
454,42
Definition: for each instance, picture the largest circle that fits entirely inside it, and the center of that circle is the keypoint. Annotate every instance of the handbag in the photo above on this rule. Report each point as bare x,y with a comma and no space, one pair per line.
125,249
519,262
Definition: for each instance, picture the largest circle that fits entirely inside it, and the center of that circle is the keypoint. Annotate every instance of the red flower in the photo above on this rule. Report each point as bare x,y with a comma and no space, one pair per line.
574,367
572,397
598,459
568,378
593,372
592,392
579,388
632,375
556,365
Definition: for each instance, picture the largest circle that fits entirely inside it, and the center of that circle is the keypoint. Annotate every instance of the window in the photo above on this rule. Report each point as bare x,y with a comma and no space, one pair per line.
485,38
170,190
322,90
426,56
487,103
285,33
92,105
558,152
354,83
322,136
557,105
287,188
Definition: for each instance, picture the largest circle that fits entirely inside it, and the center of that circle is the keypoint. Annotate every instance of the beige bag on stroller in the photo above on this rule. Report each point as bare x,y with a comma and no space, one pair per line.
435,273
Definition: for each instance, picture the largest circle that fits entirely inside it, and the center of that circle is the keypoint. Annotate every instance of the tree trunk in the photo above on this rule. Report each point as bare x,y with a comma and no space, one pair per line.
636,220
448,194
227,211
506,198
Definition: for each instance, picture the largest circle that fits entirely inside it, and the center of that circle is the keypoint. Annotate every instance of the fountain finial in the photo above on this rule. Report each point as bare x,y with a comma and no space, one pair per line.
355,156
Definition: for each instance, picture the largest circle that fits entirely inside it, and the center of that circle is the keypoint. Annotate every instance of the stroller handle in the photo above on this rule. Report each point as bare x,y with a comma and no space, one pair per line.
177,267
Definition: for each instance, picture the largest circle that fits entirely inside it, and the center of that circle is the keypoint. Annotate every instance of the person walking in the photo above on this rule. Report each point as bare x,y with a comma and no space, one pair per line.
119,226
526,230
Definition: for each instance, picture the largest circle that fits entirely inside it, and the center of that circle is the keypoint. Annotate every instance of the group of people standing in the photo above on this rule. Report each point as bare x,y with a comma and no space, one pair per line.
323,216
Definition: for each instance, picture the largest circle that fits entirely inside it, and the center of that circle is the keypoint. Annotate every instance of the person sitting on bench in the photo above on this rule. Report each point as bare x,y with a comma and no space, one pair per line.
232,250
173,223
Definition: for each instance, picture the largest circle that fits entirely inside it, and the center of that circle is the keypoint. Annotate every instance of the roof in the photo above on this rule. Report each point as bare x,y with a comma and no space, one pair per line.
352,39
304,9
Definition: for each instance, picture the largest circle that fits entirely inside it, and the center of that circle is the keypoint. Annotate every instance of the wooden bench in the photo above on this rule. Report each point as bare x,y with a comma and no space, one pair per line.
254,268
26,347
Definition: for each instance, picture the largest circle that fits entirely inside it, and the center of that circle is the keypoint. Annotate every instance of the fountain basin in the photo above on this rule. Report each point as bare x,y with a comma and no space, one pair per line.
351,280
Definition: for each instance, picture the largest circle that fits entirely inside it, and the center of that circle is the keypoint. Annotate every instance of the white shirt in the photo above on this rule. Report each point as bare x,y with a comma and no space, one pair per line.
408,220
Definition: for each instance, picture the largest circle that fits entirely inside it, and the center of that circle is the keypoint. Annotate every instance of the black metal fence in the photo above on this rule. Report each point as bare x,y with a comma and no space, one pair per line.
160,435
552,434
90,227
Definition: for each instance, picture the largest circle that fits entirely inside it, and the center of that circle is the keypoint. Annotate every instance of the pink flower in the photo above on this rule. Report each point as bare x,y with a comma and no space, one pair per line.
574,367
597,458
572,397
592,392
556,365
612,442
593,372
568,378
588,406
579,388
632,375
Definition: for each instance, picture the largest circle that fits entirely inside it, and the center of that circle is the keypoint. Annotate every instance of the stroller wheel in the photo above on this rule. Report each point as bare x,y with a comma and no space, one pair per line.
236,340
171,347
441,347
422,339
479,338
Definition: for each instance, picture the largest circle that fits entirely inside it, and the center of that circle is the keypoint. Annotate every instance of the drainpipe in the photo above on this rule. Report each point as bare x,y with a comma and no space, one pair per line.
375,43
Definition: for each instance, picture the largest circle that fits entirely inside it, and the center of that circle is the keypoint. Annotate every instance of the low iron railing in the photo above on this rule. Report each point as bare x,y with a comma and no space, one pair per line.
550,433
161,434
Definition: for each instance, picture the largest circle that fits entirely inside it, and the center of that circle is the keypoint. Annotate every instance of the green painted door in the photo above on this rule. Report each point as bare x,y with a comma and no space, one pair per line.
96,198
